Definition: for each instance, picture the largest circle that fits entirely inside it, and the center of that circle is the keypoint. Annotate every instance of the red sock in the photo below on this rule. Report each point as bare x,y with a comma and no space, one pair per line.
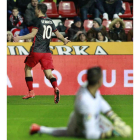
29,82
53,82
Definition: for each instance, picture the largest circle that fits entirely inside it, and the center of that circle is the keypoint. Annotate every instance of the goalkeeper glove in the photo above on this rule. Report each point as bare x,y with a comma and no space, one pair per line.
120,128
107,134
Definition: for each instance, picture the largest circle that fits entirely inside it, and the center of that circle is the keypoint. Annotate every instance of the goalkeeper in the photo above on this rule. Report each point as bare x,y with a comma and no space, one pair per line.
86,120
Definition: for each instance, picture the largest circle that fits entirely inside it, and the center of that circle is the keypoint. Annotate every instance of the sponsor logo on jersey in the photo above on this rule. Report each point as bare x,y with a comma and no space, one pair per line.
87,117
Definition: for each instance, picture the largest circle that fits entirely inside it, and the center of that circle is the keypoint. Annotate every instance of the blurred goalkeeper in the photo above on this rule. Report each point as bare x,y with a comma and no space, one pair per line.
86,120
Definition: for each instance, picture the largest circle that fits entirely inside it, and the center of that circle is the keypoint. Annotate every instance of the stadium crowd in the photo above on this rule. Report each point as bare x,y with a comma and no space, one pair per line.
20,14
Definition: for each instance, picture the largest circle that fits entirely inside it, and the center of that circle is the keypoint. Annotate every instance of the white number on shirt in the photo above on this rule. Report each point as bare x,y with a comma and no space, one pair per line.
47,32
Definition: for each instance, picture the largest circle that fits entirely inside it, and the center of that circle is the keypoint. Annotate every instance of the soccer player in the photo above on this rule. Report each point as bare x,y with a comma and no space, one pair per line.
40,51
86,120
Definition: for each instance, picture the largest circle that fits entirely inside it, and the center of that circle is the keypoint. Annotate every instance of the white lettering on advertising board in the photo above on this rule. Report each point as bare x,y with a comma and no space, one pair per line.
128,78
9,82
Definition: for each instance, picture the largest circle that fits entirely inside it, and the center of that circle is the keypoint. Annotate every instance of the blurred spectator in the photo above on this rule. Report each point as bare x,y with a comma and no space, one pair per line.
28,40
97,26
116,30
90,37
15,23
111,8
9,36
22,5
15,18
30,12
130,35
100,37
88,7
81,38
76,29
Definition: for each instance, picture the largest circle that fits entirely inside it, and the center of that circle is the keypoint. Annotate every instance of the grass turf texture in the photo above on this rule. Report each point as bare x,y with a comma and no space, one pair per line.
41,110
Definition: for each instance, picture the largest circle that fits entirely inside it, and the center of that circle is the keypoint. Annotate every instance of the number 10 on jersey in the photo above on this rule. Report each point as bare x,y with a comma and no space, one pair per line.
47,31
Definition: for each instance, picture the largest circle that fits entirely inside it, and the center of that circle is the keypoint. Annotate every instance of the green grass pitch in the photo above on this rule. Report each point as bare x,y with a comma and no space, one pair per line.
41,110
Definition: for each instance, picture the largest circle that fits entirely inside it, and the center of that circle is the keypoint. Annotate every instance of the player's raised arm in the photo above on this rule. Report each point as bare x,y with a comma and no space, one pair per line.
28,36
61,37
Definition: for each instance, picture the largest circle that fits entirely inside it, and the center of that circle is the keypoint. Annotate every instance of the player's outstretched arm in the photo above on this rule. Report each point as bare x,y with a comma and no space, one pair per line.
28,36
61,37
120,127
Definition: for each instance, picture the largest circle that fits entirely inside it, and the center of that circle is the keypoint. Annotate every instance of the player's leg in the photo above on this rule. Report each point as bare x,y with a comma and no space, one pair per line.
73,129
59,132
49,76
31,60
29,82
47,66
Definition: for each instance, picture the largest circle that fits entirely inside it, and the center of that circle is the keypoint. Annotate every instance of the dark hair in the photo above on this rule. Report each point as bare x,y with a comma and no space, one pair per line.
89,33
120,24
103,34
78,37
82,34
42,7
93,75
15,8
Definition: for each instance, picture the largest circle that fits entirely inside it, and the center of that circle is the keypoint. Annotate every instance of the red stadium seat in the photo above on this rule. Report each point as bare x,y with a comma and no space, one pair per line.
67,9
128,25
55,40
106,24
88,24
48,0
68,23
52,10
127,13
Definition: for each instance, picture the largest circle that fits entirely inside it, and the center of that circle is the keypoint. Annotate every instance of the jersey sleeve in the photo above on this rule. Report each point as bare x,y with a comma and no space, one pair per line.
105,107
36,23
89,121
54,29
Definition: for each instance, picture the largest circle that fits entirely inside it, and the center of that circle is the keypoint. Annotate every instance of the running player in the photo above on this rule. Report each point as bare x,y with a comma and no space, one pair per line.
86,120
40,51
